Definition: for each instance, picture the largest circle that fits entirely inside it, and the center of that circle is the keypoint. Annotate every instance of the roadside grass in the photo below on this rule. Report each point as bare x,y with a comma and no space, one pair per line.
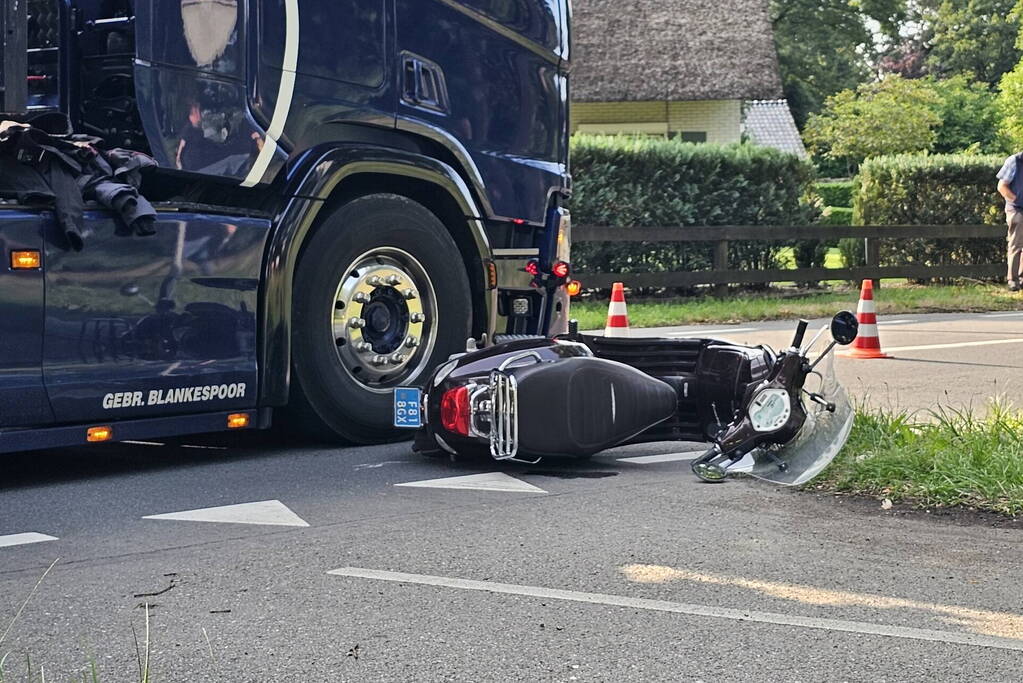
31,674
943,458
894,298
833,259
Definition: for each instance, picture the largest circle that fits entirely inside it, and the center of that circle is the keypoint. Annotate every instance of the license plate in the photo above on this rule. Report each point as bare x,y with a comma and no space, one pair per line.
408,413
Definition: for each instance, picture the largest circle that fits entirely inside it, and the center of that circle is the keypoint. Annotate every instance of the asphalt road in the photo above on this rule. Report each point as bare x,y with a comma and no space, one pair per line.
612,570
952,360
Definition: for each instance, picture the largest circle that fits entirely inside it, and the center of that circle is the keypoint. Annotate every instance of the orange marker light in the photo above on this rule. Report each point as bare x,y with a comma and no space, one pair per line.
237,420
491,275
26,260
95,434
574,288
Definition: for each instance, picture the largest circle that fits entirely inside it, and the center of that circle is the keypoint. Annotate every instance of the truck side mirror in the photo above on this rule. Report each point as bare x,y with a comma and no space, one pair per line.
844,328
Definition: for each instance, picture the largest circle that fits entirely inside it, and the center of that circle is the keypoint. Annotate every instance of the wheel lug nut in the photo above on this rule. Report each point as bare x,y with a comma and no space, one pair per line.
417,317
398,358
364,347
356,323
393,280
412,342
409,294
379,360
360,297
374,281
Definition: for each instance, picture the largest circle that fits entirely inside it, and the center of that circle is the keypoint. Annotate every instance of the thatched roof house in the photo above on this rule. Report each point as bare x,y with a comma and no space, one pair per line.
673,67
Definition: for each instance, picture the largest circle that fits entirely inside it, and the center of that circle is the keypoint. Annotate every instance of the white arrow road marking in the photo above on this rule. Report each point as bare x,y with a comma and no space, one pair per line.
24,539
268,512
664,457
694,610
494,481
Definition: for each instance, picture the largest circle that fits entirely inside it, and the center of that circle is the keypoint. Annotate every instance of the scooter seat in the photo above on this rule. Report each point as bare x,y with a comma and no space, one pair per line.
580,406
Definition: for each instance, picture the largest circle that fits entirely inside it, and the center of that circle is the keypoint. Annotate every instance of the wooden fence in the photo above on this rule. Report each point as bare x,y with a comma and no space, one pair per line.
722,235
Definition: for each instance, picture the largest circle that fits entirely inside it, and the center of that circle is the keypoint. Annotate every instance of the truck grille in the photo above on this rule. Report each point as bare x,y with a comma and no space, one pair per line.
43,24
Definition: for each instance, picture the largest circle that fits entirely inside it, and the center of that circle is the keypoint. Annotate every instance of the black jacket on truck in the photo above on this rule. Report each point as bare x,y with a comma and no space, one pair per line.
346,190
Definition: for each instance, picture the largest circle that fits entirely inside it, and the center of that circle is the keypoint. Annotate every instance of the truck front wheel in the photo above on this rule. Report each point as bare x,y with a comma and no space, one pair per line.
381,297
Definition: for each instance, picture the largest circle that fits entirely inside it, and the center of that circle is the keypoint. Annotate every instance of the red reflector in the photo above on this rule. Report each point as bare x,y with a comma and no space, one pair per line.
533,267
560,269
454,411
519,221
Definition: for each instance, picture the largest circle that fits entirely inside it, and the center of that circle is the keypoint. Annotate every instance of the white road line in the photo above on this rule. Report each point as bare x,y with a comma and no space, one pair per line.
895,322
268,512
1003,315
24,539
959,345
664,457
710,333
842,625
493,481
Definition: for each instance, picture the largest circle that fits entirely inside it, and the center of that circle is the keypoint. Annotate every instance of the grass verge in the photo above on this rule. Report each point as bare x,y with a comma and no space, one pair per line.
788,304
954,458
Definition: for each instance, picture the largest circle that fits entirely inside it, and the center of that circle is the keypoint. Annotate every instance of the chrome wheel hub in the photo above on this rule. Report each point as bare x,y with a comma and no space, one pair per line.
384,319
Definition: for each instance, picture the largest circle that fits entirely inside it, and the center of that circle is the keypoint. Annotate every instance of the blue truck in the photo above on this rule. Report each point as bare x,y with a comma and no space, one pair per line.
347,191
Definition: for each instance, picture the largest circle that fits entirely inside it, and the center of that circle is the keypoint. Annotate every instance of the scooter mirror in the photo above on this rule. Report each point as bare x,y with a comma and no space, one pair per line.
844,328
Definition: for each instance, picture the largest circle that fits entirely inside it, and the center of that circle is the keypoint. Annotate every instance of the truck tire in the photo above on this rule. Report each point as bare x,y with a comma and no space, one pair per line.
381,298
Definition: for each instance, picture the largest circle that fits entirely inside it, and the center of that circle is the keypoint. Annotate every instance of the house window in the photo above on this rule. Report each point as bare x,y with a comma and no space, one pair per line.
651,129
691,136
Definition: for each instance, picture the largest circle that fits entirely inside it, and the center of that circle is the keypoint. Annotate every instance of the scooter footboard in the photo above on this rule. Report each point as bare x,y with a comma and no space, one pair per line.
709,376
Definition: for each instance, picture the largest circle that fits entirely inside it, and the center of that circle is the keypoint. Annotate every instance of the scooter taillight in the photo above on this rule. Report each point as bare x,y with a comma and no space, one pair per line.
455,412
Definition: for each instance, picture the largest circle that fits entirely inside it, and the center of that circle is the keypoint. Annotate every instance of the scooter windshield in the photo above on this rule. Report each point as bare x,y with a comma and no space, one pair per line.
818,442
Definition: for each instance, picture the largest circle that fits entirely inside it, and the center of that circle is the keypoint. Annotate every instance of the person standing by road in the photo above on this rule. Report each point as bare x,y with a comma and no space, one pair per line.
1010,186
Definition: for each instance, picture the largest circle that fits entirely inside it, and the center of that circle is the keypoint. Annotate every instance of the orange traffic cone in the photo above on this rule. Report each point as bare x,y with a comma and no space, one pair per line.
617,313
867,344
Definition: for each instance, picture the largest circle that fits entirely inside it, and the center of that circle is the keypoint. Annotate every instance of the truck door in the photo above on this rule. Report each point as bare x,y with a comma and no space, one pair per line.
22,396
487,72
158,325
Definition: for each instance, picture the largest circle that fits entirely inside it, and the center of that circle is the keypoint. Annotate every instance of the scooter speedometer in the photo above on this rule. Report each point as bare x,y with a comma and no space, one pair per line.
770,410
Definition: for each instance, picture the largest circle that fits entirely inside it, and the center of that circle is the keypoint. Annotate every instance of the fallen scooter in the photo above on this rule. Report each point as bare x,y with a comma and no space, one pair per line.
780,416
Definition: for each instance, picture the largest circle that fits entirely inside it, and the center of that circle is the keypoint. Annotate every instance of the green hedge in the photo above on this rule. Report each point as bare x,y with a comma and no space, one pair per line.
836,215
648,182
931,190
836,192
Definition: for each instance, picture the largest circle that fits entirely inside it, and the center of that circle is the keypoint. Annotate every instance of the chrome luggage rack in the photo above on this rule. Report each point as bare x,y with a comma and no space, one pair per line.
504,409
504,416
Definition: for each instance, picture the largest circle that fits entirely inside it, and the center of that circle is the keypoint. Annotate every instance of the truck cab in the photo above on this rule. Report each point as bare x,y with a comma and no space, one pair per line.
346,190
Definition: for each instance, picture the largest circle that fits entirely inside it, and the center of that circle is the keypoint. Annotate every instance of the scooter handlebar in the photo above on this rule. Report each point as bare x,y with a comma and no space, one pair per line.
800,334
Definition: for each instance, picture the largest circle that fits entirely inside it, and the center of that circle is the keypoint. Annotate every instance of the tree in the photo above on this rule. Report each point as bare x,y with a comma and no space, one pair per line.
825,46
975,37
892,116
1010,106
969,115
